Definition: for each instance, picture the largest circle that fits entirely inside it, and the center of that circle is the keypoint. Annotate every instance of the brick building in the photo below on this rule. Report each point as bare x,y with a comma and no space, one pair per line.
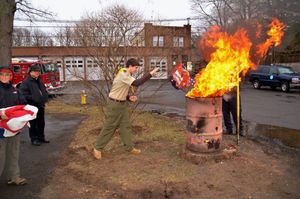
160,46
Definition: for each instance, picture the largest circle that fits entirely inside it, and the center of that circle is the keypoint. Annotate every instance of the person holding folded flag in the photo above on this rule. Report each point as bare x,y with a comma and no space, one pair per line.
14,115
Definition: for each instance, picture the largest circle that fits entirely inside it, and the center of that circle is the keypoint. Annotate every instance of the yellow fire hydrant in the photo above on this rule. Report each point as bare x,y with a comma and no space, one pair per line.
83,97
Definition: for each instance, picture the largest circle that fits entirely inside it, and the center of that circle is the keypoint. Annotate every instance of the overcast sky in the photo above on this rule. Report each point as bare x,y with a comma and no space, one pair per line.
151,9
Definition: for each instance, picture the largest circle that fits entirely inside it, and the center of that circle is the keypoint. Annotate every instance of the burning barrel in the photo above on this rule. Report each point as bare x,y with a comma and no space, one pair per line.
204,124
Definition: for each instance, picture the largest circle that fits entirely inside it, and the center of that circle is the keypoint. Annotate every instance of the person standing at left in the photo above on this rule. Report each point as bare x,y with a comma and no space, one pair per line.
10,146
36,94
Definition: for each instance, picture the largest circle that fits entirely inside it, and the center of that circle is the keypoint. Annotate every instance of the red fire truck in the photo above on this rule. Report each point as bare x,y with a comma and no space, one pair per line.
49,74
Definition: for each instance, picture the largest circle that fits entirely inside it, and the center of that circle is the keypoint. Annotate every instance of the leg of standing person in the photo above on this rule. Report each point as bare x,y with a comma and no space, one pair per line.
12,162
112,121
3,142
33,132
226,116
126,130
12,168
41,125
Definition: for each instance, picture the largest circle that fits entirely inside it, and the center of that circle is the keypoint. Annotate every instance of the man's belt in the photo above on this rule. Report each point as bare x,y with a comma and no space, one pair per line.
115,100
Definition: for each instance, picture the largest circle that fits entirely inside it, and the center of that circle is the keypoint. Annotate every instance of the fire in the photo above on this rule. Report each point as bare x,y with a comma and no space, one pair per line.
259,28
230,57
275,35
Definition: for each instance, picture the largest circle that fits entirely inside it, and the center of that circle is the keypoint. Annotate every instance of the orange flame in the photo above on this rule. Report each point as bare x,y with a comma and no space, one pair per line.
275,33
230,57
259,28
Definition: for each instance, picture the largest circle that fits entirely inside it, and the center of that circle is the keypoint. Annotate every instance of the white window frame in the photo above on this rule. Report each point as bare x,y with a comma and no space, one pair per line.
162,63
158,41
178,41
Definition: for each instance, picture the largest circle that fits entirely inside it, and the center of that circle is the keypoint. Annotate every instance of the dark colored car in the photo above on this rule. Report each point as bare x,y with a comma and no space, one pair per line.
275,76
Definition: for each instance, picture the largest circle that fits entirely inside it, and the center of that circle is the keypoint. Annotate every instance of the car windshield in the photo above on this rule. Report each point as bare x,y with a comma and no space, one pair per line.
284,70
50,67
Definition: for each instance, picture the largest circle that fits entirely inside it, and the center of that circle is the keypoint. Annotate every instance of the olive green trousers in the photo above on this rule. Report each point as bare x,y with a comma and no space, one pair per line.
117,116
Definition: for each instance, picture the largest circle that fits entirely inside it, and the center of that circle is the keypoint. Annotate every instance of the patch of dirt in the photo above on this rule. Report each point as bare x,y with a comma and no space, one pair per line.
258,170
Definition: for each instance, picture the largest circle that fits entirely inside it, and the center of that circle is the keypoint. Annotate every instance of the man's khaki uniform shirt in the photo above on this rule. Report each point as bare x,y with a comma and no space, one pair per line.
121,85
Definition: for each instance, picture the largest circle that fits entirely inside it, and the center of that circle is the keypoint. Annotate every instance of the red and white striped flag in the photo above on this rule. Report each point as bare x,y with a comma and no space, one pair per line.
18,117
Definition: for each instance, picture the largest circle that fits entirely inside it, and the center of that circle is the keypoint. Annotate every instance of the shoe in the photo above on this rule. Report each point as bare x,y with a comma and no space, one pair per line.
97,154
17,181
44,141
36,143
135,151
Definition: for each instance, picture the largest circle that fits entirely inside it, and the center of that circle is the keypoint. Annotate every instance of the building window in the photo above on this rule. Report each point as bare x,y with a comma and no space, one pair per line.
178,41
75,62
59,64
158,41
160,62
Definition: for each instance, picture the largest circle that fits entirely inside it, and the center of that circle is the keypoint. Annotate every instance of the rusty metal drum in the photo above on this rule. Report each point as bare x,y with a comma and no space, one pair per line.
204,124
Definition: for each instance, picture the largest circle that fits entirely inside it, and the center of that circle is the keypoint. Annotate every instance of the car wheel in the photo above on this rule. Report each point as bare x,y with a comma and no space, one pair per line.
285,87
256,84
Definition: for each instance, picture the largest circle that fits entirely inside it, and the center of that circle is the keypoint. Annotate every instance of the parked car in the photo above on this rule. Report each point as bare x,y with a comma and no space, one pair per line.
275,76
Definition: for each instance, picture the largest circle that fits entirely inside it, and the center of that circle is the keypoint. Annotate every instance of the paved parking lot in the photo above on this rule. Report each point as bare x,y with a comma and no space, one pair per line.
263,106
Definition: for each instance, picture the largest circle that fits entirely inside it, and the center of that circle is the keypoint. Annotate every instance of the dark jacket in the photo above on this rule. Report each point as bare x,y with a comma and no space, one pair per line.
10,96
34,91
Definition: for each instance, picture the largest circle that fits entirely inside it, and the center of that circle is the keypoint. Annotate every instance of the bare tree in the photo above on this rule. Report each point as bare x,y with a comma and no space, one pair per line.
8,9
18,37
232,13
112,30
213,12
39,38
64,37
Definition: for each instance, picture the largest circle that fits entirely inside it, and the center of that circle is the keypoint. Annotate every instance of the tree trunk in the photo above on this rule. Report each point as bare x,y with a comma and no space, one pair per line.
7,12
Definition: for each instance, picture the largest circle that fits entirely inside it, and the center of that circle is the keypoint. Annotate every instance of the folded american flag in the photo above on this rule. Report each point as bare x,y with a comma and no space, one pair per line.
18,117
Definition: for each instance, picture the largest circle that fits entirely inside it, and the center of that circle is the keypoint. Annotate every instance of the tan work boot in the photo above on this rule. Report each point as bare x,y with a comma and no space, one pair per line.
17,181
97,154
135,151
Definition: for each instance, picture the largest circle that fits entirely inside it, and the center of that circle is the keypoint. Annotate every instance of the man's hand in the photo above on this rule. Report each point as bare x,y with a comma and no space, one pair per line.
133,98
154,71
2,115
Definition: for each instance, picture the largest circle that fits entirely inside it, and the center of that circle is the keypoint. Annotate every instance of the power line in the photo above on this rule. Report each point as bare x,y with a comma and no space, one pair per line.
76,21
